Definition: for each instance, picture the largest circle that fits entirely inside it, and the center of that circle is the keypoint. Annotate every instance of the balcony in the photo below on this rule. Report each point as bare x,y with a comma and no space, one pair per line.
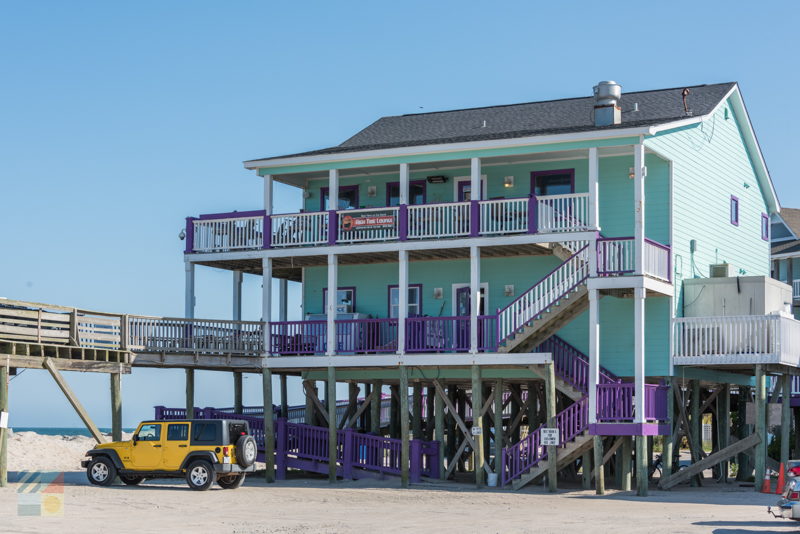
741,340
225,232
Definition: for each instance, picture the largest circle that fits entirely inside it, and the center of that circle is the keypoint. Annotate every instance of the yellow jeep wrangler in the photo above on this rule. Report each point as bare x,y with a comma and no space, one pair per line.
202,450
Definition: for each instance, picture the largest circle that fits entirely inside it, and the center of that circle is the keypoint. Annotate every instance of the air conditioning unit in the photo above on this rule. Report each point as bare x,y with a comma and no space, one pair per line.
719,270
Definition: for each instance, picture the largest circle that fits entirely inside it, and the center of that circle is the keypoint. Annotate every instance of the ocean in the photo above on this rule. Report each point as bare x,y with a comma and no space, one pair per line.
62,431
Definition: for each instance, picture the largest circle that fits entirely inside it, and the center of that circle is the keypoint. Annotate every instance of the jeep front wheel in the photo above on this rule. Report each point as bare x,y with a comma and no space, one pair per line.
101,471
231,481
200,475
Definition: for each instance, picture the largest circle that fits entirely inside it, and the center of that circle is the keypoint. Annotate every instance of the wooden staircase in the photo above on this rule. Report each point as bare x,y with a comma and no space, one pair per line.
566,455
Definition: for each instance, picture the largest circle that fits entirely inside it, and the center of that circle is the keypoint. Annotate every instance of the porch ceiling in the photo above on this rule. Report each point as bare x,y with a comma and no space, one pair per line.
290,268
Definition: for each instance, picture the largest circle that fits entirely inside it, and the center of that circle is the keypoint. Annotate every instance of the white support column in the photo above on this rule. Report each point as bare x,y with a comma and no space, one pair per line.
638,354
404,181
594,352
475,295
189,300
333,290
594,207
639,173
268,204
402,301
476,191
237,295
333,189
283,299
266,300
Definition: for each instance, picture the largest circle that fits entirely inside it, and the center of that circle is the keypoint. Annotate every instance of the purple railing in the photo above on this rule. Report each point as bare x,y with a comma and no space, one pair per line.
571,365
298,337
615,402
527,453
366,335
449,334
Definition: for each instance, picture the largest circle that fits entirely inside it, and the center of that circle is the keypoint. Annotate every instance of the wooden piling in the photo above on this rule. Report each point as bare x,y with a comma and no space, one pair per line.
641,466
416,420
330,397
599,477
352,402
745,468
786,419
3,431
190,393
552,450
430,410
238,405
438,415
760,450
450,424
284,397
404,445
310,387
375,408
667,448
269,427
365,422
394,412
586,470
533,398
115,380
477,422
515,408
724,426
625,465
499,439
696,443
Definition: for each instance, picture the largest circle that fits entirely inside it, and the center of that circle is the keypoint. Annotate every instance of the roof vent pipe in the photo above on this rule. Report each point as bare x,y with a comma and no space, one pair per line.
607,110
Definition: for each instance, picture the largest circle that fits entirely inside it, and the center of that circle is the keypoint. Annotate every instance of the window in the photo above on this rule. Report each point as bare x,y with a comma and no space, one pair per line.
150,432
416,193
734,211
348,198
414,301
177,432
764,227
204,433
560,182
345,300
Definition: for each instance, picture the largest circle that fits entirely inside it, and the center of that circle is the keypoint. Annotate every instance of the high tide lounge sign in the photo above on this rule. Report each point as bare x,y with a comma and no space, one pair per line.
367,222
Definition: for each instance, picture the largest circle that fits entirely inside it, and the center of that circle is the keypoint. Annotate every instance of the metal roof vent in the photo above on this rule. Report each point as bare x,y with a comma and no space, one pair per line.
607,110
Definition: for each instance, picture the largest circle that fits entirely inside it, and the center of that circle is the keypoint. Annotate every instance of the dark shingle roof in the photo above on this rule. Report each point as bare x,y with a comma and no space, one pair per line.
790,217
523,120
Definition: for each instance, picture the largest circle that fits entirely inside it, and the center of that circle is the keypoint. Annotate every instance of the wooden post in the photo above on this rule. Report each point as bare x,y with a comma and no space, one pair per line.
190,393
450,424
745,468
667,450
760,451
786,419
552,450
416,422
477,422
625,465
284,397
641,466
724,426
462,414
237,392
586,470
430,410
3,431
269,428
394,412
330,397
438,415
696,429
116,406
599,477
352,403
499,439
515,407
405,456
533,412
366,417
309,386
375,407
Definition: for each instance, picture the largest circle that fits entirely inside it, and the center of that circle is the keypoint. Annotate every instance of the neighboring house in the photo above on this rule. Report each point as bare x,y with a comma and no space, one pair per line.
489,238
785,229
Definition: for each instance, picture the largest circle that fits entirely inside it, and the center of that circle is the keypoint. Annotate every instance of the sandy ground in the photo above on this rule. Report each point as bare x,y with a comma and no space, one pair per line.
311,504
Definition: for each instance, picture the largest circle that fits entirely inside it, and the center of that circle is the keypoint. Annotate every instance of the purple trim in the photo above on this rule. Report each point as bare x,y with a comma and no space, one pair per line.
474,218
389,185
449,334
232,215
389,297
533,219
402,216
340,288
333,226
734,208
326,189
765,227
630,429
537,174
189,235
267,232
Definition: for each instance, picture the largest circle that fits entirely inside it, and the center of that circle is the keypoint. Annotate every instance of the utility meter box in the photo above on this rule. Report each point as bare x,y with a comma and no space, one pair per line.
735,295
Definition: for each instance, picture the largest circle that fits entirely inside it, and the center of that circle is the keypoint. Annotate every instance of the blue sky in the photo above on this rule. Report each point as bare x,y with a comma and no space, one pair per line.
120,119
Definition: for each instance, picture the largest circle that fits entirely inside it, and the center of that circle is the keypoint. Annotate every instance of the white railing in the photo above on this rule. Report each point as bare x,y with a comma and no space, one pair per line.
546,293
615,256
298,229
371,224
746,339
438,220
215,235
504,216
195,336
796,289
563,213
657,260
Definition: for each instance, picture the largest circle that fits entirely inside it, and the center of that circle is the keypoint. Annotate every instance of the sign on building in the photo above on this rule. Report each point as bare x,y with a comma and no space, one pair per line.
476,431
367,222
550,436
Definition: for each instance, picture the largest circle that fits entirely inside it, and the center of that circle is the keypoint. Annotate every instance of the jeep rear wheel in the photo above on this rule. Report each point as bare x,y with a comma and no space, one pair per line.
101,471
131,480
200,475
231,481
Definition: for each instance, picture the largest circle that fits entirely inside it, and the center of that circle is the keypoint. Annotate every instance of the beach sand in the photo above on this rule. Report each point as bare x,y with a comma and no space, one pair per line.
307,503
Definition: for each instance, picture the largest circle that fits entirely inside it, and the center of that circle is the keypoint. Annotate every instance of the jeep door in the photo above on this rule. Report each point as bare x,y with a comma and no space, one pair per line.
176,446
147,447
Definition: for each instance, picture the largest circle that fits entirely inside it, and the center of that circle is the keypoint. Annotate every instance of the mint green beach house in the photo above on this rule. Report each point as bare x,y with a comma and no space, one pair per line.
578,264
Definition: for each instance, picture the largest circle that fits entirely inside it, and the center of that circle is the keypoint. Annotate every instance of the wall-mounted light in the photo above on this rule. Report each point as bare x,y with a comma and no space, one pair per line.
631,173
508,290
306,194
437,292
372,191
437,179
508,181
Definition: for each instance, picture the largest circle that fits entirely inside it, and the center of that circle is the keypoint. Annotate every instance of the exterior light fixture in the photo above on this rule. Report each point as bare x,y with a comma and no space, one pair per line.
372,191
437,292
437,179
508,181
182,234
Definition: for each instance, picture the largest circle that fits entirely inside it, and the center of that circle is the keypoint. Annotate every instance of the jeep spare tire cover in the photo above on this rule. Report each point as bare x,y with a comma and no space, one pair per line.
246,451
